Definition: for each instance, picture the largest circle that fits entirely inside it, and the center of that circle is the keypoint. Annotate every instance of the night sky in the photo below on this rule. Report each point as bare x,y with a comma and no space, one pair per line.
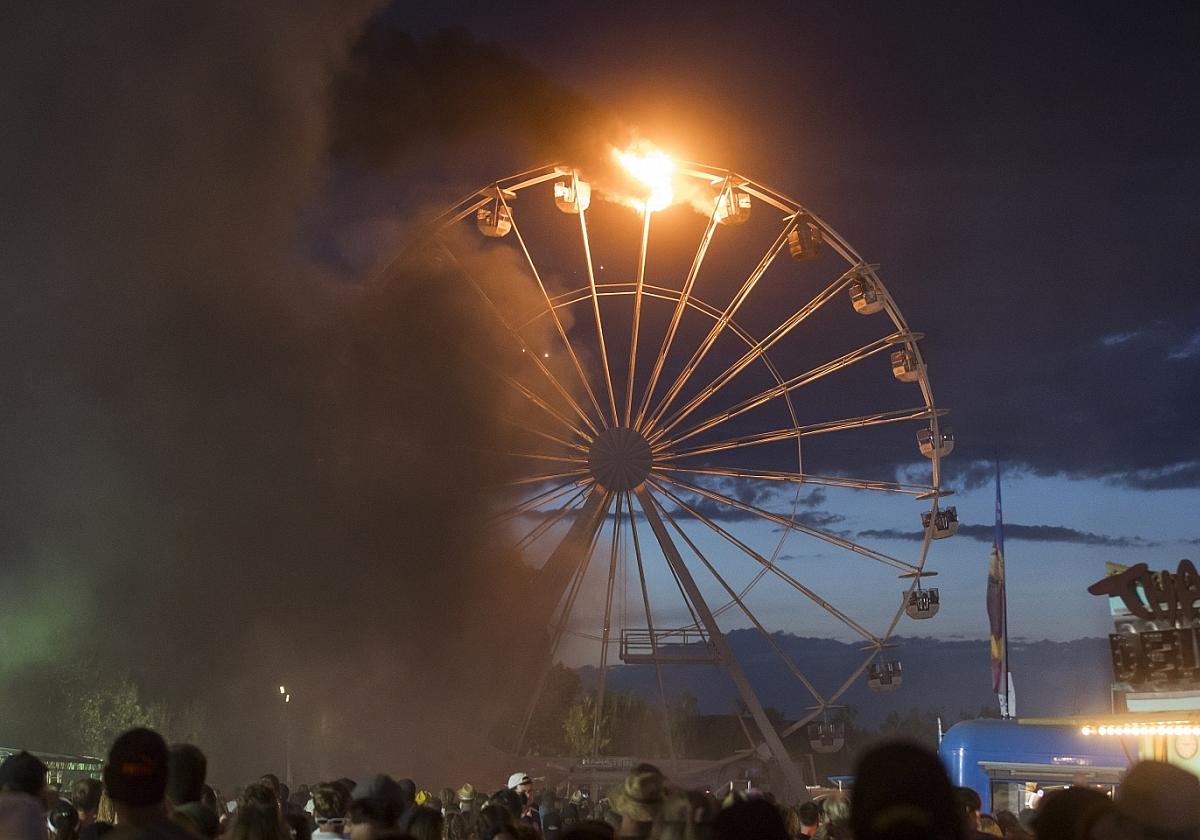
1025,177
217,420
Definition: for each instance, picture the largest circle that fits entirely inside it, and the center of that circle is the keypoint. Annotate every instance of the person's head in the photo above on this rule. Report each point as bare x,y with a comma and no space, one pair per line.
203,819
508,799
522,783
24,772
65,820
640,797
271,781
331,805
1155,800
208,798
808,815
261,794
988,825
408,793
495,819
1008,823
425,823
258,822
106,811
449,799
375,806
186,770
970,806
85,796
1068,813
465,796
135,774
900,792
370,816
754,818
837,810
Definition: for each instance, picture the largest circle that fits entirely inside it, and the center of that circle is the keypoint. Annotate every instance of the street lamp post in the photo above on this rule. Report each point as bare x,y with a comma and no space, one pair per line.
287,724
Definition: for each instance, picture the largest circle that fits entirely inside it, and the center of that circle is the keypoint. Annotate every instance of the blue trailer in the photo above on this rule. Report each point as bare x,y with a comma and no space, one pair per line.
1010,763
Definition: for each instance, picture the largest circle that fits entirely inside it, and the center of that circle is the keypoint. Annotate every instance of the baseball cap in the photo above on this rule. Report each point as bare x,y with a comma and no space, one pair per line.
136,770
518,779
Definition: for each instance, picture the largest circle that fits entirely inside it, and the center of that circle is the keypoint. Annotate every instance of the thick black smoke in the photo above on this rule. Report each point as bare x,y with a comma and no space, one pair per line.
226,466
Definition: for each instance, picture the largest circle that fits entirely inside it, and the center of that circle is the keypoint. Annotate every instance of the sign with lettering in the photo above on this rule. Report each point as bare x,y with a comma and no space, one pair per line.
1155,596
1158,646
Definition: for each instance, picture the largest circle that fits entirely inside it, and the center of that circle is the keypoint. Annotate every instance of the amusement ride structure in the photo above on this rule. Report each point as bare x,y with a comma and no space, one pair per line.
723,399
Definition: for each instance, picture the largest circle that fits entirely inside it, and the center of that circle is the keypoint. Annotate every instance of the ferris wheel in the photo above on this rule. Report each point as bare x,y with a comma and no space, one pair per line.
729,420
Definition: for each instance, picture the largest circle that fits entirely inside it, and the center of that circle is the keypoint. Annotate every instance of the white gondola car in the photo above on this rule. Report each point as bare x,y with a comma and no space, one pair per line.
885,676
943,524
494,219
922,603
804,241
865,295
572,196
733,206
826,737
904,365
925,442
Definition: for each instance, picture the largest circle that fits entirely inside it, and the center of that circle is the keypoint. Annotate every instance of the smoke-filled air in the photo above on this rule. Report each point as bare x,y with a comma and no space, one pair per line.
248,434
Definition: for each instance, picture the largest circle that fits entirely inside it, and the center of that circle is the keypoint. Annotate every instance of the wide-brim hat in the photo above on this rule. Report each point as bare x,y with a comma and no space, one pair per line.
640,796
466,793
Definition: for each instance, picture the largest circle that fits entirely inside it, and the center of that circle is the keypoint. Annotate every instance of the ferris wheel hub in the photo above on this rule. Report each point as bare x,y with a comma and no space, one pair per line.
620,459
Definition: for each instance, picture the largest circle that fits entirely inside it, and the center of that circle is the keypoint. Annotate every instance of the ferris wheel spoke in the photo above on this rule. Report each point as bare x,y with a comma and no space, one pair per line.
520,339
538,456
799,381
680,306
543,498
849,681
662,694
791,524
545,477
548,522
556,637
774,568
715,331
546,407
756,352
736,598
806,478
525,427
558,326
591,272
637,317
864,421
608,605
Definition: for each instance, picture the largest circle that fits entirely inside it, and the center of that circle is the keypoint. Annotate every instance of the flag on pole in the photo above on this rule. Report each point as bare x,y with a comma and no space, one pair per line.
996,607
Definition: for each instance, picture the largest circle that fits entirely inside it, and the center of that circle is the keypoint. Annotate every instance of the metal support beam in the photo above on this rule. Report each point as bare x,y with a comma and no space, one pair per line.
563,565
560,567
774,743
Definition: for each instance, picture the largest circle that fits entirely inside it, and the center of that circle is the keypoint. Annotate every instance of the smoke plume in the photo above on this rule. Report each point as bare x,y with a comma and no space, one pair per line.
231,463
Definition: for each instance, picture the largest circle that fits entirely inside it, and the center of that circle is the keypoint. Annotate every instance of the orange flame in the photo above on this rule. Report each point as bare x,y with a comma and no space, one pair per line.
655,170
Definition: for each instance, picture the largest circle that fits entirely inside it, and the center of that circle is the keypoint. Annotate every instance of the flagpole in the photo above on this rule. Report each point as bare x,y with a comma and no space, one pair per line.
1008,695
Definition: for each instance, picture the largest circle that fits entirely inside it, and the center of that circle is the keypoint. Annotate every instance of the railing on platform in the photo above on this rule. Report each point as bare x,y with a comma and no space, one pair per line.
667,647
